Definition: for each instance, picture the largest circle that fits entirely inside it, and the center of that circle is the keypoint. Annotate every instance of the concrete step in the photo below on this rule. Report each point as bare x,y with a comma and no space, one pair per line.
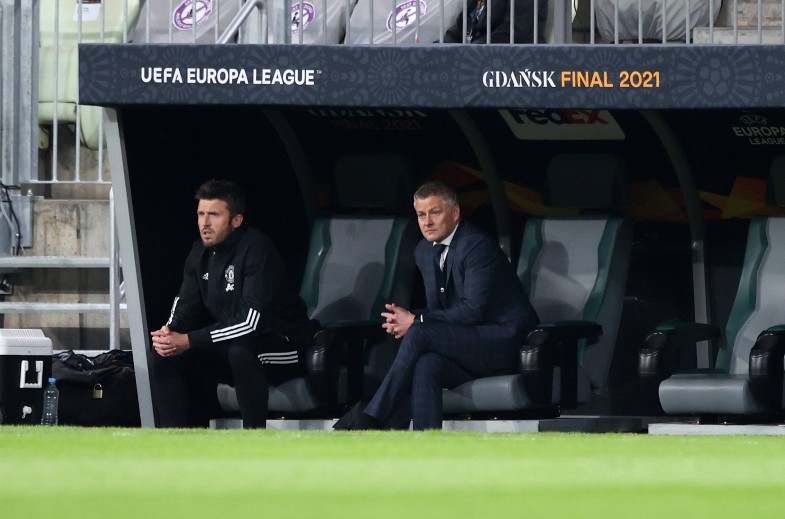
747,13
742,35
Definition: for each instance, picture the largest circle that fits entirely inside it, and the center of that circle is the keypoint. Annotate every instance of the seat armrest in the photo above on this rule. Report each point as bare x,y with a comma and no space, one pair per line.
560,331
322,367
657,357
554,344
688,331
766,367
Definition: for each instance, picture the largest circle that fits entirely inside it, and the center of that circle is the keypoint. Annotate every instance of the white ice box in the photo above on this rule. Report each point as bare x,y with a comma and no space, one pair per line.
25,367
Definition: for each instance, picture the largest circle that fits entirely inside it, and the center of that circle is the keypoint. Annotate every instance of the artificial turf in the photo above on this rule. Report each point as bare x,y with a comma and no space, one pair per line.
93,472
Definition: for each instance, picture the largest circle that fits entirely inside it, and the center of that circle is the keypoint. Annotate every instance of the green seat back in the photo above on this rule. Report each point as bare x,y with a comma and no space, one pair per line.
575,268
353,267
759,298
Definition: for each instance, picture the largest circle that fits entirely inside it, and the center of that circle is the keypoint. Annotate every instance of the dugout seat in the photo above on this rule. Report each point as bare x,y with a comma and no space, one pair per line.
574,270
323,21
747,377
549,32
172,22
645,19
373,21
356,263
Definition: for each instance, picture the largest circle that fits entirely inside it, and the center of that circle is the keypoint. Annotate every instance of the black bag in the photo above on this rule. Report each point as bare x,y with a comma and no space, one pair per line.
98,390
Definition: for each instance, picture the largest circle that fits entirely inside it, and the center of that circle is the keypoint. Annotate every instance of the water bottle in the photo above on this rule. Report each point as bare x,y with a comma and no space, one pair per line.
51,398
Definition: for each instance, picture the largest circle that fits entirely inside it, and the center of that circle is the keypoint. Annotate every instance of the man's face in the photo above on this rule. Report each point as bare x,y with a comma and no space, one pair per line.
436,217
215,222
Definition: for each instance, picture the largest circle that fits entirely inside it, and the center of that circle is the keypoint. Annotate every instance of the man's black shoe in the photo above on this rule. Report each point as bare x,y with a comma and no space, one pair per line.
367,422
356,420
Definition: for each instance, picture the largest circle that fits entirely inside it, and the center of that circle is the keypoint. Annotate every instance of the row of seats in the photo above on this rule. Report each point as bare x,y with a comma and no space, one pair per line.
746,380
64,25
329,22
403,22
574,270
355,264
634,20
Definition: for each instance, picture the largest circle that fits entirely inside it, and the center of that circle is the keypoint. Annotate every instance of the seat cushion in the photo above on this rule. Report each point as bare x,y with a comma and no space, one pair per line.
503,393
293,396
708,393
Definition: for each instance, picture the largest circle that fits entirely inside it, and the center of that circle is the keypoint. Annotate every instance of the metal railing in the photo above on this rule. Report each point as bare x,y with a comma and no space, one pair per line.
39,107
26,128
41,110
61,26
115,302
18,87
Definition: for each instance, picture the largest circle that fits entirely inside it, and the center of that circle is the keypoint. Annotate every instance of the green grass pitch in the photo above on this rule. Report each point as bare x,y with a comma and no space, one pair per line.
93,472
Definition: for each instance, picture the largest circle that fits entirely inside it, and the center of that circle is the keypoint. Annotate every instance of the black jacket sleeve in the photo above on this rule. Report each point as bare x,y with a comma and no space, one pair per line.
187,310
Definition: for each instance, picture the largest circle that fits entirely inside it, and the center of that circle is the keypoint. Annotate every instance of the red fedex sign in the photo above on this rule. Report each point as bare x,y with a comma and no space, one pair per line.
539,124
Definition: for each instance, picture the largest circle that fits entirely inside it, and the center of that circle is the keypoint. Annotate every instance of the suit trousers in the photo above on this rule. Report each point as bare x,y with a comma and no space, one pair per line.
433,356
184,387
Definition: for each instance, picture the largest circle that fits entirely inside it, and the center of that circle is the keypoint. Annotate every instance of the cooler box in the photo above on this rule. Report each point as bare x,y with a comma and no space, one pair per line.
25,366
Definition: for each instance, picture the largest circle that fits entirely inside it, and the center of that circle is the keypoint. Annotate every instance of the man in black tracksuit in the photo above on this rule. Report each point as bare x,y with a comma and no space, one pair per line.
234,320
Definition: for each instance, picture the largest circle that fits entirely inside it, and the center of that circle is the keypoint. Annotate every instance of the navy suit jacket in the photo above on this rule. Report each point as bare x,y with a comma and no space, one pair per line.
483,321
481,287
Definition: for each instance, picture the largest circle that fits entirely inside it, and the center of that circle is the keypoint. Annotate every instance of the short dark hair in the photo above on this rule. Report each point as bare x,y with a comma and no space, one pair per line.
226,190
436,188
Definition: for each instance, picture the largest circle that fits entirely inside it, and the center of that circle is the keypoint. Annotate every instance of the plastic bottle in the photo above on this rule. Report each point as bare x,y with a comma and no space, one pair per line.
51,401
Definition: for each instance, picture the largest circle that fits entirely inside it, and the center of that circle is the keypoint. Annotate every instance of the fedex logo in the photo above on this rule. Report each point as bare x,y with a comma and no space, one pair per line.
540,124
560,116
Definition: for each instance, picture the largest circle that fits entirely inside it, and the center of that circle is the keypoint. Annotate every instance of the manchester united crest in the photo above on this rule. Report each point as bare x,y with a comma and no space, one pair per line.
229,275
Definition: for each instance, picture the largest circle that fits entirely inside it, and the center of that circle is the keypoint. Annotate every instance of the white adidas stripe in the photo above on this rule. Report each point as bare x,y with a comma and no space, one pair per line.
237,330
283,357
171,313
230,329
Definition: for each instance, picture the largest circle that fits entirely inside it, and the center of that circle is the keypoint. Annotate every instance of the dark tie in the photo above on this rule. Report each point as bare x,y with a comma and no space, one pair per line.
438,250
441,279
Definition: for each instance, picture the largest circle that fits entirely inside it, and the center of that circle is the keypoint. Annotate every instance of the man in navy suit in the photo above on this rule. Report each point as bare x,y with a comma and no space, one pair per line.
476,319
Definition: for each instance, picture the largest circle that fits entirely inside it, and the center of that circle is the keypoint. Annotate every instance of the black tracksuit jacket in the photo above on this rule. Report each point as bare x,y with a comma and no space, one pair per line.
238,289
